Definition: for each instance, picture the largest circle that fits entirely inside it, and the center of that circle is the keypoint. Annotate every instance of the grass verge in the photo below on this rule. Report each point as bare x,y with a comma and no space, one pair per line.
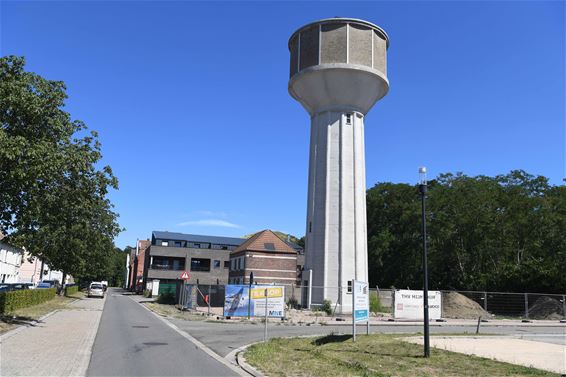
373,355
172,311
25,316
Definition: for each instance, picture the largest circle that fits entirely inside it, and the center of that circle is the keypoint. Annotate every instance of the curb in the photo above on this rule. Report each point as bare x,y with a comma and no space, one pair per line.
81,368
197,343
241,360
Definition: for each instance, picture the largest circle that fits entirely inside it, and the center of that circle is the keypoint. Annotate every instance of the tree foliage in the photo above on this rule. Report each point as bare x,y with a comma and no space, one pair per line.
53,196
503,233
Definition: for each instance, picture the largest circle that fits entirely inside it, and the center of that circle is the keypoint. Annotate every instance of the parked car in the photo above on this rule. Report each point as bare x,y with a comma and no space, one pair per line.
43,285
5,287
18,286
96,289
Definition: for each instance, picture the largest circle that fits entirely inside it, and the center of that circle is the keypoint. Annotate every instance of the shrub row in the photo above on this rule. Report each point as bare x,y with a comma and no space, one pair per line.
69,291
147,293
10,301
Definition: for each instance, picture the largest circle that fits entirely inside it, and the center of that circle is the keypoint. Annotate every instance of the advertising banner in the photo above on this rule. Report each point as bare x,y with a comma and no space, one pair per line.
361,301
409,304
237,298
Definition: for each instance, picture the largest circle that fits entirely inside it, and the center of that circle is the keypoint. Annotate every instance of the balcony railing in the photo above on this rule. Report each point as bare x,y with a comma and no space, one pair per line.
166,267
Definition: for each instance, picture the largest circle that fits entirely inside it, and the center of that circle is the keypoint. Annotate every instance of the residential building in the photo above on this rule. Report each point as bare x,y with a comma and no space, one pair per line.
10,263
205,258
271,260
30,271
137,264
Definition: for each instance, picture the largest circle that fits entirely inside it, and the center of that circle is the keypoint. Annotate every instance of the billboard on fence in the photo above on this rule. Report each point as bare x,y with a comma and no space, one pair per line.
237,299
409,304
361,301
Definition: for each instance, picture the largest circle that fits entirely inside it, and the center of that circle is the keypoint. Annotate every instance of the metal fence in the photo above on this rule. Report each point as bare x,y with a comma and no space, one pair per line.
455,304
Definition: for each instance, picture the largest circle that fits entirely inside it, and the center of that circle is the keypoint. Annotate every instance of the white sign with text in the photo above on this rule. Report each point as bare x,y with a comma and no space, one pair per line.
409,304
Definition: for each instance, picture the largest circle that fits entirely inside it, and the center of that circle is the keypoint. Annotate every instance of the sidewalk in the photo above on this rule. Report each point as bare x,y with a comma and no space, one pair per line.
544,356
60,345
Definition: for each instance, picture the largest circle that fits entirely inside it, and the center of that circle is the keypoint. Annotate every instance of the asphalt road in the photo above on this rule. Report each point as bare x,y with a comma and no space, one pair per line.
131,341
223,338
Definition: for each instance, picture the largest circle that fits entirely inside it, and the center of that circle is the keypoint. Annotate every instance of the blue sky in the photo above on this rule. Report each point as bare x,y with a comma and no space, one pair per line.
190,99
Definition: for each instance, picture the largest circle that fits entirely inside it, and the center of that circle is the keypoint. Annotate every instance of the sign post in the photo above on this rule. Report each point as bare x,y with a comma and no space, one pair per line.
250,293
353,312
265,328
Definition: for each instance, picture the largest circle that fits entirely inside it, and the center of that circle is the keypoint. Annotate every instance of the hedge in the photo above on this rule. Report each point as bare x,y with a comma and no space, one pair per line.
71,290
10,301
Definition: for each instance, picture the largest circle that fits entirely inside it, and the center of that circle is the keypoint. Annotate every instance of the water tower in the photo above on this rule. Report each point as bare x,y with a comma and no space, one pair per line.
338,72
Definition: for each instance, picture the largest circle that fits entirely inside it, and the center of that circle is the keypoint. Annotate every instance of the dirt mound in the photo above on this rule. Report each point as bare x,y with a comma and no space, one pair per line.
456,305
546,308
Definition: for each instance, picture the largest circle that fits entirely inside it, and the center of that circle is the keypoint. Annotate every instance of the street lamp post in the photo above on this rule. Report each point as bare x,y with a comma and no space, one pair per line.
250,294
422,191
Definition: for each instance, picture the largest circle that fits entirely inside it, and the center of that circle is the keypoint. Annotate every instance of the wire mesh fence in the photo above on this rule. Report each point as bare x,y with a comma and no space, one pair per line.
455,304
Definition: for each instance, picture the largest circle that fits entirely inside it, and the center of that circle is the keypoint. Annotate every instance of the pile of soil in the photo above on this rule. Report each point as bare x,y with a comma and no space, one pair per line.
546,308
456,305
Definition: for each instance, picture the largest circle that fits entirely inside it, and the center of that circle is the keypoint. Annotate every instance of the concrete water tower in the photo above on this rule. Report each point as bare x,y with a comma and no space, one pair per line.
338,72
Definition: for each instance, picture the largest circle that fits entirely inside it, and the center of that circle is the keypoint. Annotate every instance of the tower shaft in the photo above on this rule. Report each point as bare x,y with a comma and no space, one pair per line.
336,234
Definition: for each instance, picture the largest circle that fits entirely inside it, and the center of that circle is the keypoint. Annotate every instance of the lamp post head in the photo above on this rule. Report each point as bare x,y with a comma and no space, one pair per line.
422,175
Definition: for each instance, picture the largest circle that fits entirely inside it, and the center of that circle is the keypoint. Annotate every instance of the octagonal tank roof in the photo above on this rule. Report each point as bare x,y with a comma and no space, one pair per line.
343,20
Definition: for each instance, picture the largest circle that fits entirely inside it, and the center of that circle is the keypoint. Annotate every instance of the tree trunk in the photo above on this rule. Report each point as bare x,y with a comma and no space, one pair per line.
62,288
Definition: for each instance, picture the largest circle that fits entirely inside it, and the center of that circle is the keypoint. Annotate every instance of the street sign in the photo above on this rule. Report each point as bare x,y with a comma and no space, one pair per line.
361,302
185,275
360,305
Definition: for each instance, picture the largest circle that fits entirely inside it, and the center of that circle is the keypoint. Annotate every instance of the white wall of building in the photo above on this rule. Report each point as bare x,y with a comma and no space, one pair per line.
10,262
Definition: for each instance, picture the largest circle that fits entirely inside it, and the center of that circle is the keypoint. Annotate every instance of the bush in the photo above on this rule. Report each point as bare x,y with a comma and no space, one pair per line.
10,301
374,303
166,297
69,291
293,303
147,293
326,306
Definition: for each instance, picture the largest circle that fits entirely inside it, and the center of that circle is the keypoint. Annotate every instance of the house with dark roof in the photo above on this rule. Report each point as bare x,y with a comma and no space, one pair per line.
271,260
205,258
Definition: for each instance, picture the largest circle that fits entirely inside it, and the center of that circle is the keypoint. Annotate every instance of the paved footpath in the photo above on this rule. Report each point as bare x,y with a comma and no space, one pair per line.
59,345
545,356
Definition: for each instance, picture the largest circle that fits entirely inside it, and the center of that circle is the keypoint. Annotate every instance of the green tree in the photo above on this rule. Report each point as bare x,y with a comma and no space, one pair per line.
53,196
502,233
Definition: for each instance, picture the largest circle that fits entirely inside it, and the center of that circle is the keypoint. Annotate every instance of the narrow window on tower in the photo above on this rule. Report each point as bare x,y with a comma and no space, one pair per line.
310,226
348,118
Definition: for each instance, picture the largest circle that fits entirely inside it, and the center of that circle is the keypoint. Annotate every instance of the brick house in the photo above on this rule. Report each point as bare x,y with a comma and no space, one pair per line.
271,260
137,263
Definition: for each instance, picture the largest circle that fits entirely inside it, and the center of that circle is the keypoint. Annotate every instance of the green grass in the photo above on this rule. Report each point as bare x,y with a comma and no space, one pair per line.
173,312
374,355
26,316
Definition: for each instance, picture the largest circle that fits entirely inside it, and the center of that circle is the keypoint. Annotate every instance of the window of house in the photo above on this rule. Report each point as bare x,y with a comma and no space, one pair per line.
178,243
164,243
348,118
200,264
216,264
196,245
227,264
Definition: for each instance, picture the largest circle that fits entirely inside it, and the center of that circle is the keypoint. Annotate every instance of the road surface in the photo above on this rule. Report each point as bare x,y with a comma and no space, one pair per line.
131,341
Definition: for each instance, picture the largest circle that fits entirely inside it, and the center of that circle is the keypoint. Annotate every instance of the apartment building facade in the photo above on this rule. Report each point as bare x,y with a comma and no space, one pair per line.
205,258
